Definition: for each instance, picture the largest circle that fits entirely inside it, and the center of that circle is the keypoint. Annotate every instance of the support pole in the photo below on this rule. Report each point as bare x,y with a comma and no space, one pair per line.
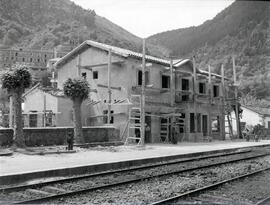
223,102
44,109
210,101
194,94
109,85
79,66
171,83
143,97
236,100
11,112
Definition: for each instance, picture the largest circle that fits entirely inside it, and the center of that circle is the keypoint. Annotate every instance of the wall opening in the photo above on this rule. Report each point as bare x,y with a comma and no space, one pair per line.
192,122
215,90
139,77
185,84
202,88
215,124
95,74
165,81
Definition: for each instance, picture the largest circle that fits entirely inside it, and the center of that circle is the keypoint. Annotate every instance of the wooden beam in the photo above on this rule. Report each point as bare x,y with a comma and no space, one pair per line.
223,102
79,66
194,94
171,83
210,102
106,86
109,85
143,97
89,67
236,99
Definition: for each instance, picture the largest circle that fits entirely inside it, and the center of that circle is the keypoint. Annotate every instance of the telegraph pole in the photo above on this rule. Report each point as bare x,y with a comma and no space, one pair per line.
236,99
143,97
210,100
223,101
195,95
109,85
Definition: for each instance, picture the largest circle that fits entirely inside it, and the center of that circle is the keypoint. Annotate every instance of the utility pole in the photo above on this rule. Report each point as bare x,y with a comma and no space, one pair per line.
143,97
236,99
11,111
79,66
194,94
210,100
223,101
44,109
109,86
171,83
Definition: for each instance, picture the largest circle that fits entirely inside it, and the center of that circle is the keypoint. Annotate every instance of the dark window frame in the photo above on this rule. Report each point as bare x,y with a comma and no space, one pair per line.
215,91
95,74
165,81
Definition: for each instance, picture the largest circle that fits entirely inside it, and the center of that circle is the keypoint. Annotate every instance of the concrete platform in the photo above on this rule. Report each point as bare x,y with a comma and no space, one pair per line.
20,167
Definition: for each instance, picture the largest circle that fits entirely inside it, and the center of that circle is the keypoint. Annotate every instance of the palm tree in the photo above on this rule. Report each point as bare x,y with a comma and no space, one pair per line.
16,82
77,90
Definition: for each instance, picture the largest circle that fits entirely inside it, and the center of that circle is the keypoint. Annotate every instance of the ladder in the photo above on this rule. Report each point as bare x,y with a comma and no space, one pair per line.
164,130
229,125
134,121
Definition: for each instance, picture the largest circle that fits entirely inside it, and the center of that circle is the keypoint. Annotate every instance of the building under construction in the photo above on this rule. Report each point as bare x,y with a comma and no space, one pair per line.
176,92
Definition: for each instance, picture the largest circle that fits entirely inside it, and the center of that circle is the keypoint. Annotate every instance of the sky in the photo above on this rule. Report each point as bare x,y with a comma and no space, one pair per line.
147,17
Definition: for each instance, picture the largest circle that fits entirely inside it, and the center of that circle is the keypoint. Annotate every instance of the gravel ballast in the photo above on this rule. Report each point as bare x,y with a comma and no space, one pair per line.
148,191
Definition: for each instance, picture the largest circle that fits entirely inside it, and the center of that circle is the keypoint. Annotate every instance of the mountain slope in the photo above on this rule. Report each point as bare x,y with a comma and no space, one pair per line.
44,24
241,29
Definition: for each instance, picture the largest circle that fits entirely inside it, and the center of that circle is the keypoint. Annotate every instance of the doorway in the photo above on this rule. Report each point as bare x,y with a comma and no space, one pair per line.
204,125
148,129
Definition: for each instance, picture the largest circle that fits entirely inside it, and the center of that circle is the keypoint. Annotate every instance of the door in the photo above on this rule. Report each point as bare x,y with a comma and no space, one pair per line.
204,125
33,120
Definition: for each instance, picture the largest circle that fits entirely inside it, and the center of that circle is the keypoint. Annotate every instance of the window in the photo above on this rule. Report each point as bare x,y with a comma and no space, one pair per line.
165,81
215,91
23,59
48,117
33,120
202,88
84,75
140,77
95,74
31,59
105,121
185,84
185,97
192,123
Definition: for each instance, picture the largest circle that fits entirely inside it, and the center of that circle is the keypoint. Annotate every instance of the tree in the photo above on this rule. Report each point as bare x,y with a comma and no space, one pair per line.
77,90
16,82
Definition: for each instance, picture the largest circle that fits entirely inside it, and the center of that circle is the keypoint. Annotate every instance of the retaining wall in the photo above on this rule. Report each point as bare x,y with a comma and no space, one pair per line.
57,135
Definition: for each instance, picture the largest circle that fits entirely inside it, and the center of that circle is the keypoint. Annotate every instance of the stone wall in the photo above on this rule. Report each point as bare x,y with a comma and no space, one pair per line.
57,135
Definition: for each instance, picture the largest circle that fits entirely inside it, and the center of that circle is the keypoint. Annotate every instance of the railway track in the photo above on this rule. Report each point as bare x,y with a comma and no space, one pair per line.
42,192
177,198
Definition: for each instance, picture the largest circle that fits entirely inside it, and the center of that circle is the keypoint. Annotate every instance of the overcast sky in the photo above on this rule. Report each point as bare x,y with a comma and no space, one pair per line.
147,17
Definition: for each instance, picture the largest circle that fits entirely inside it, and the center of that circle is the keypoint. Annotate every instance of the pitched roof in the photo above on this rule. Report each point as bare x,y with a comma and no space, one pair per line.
126,53
51,91
259,110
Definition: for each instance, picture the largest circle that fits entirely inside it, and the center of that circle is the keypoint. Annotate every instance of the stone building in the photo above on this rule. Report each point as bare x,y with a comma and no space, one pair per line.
196,104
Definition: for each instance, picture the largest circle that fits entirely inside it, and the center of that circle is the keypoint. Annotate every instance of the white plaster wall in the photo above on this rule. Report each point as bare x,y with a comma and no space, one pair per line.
266,121
35,101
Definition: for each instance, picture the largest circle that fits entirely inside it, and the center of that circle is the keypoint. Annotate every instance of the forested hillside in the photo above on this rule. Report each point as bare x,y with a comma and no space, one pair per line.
242,30
43,24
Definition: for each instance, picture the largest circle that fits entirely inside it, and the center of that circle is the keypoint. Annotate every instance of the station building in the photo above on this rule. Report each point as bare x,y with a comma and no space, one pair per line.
175,90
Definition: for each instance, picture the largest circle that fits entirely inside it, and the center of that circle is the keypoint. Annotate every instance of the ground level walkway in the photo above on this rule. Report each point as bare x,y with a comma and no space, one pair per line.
20,163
